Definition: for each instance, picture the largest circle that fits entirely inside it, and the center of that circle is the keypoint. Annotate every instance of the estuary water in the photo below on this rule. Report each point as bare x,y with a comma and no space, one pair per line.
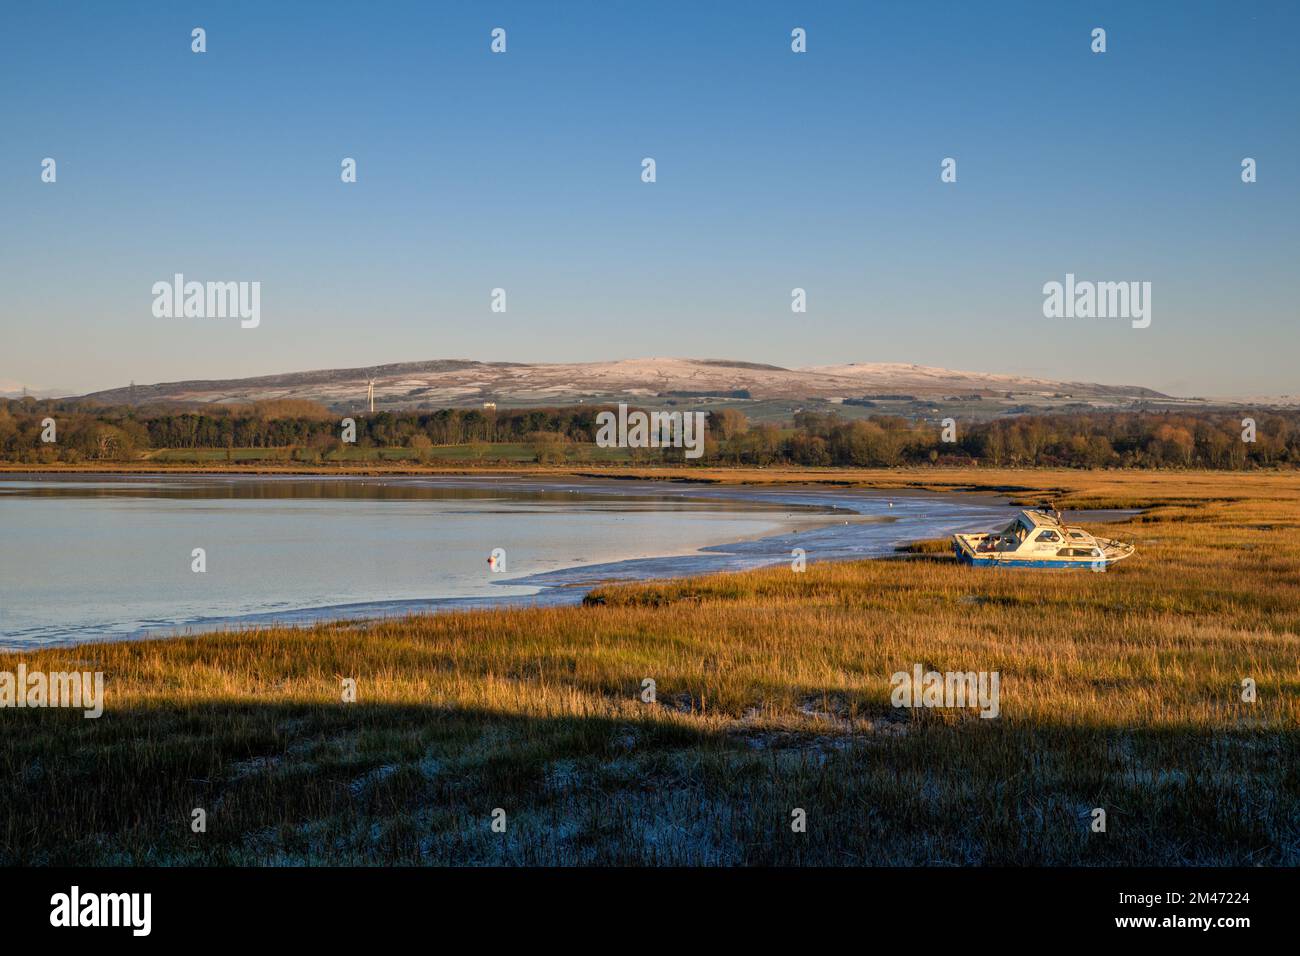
89,558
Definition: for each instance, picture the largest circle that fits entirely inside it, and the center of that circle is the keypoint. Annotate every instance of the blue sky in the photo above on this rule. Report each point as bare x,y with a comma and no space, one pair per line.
775,170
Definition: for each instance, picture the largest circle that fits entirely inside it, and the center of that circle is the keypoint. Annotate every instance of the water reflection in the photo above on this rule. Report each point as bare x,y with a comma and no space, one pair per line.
107,558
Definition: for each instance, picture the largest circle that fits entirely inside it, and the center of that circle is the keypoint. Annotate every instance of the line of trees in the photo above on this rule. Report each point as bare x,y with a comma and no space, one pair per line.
1082,440
1209,439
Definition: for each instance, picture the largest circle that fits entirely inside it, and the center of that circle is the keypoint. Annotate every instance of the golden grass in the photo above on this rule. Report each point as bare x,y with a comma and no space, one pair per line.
1119,690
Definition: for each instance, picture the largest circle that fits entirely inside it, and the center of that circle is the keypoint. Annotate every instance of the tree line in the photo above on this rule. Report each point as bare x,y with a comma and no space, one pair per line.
1205,439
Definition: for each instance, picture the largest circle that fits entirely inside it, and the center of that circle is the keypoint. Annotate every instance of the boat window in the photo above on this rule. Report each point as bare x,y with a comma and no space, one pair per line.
1048,536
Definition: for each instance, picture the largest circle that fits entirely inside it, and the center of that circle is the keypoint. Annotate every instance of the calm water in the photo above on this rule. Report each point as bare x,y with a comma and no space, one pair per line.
111,558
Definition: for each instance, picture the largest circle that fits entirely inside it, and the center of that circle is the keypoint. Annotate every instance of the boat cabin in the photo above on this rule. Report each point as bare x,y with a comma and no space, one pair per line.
1036,533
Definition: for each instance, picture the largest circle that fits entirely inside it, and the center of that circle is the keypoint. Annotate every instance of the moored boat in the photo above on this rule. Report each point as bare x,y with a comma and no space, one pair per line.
1038,538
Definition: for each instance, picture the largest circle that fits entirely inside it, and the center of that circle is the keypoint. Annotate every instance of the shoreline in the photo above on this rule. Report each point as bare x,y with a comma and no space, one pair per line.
711,473
830,523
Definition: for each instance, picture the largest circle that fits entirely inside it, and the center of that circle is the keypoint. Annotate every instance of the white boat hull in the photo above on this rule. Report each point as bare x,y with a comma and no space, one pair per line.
1046,543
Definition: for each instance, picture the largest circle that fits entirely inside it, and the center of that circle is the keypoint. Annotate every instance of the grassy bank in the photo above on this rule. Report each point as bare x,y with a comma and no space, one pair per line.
1119,690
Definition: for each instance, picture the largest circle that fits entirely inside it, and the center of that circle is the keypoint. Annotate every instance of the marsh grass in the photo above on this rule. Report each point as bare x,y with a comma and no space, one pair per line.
1119,690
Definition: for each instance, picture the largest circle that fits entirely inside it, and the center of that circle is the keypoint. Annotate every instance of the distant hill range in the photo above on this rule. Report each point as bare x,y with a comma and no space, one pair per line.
648,382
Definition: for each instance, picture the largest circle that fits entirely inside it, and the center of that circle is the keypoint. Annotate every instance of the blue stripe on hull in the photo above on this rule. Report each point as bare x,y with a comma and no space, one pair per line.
1082,565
